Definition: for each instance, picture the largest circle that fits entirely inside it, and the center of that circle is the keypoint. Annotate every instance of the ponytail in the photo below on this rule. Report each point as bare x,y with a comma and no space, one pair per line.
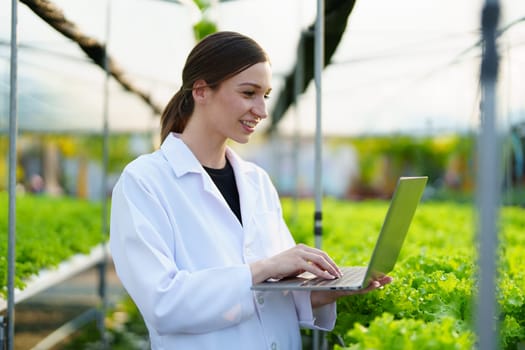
177,112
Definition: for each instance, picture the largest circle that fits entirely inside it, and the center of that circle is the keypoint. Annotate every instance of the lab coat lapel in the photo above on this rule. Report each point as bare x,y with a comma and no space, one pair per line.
246,185
183,161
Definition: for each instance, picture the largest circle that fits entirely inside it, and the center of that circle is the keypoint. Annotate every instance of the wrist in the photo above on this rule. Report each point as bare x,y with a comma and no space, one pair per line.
321,298
259,270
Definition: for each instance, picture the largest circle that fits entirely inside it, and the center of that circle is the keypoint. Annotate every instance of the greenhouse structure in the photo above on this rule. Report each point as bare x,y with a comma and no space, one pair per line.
459,282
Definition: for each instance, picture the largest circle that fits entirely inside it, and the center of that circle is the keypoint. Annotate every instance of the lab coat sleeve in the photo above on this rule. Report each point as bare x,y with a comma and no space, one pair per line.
170,300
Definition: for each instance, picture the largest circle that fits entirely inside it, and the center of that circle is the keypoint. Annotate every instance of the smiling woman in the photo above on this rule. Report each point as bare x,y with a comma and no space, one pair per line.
194,226
209,64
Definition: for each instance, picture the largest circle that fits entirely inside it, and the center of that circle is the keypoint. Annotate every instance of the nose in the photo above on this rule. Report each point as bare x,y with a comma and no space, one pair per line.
259,108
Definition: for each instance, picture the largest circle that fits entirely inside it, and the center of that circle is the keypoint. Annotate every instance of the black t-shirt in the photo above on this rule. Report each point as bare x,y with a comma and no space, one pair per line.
224,179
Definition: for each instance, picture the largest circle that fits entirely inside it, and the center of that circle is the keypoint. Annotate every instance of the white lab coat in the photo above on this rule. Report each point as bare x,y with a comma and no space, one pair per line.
183,256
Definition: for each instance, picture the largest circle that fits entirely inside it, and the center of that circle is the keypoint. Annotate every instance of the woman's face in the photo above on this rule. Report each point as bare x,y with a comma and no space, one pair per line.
239,104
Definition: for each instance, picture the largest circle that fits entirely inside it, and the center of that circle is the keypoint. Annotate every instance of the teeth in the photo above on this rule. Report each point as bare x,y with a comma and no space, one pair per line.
250,124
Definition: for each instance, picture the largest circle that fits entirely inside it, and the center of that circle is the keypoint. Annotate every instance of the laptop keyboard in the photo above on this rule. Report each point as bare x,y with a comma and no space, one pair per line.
351,276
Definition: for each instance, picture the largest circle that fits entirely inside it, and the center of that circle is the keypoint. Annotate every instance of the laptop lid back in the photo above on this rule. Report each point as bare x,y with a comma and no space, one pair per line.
402,207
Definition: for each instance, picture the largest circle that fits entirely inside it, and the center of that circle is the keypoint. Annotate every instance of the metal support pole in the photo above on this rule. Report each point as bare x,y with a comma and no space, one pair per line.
318,70
298,84
3,326
319,62
105,161
13,134
488,184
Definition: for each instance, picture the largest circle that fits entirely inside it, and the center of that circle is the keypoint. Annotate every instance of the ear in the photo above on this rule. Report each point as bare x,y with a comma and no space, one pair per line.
199,91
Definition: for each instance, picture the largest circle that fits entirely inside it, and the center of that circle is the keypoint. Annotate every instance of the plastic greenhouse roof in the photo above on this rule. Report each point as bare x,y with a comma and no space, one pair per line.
397,68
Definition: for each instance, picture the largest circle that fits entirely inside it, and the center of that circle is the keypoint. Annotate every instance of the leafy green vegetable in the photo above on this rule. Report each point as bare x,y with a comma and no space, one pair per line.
387,333
429,305
48,231
434,286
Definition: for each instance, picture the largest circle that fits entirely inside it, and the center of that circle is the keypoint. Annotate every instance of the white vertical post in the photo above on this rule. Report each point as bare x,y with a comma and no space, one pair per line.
298,85
13,134
488,184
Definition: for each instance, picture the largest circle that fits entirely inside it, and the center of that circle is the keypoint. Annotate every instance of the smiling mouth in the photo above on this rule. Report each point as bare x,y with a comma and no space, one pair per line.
249,123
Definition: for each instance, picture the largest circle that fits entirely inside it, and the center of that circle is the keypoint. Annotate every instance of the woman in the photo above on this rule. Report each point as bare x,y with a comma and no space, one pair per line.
193,226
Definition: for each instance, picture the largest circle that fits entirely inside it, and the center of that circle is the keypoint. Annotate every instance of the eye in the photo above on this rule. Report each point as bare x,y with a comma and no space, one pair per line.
249,93
266,96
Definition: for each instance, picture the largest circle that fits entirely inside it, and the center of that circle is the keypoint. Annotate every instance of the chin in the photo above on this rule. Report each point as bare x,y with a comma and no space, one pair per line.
243,141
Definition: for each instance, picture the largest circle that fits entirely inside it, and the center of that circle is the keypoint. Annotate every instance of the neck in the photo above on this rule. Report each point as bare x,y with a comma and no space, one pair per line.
209,151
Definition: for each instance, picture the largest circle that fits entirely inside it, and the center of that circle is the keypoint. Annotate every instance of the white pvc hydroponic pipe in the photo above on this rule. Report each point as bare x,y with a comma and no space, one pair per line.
50,277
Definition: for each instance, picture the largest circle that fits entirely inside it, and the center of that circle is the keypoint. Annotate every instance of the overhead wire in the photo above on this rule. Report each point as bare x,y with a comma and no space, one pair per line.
70,57
400,52
39,49
404,53
403,50
459,58
37,101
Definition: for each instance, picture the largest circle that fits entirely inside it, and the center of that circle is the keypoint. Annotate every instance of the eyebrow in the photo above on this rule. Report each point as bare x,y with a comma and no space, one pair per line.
255,85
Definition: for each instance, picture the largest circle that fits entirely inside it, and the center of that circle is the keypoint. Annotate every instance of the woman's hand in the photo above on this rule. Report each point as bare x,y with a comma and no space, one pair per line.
320,298
295,261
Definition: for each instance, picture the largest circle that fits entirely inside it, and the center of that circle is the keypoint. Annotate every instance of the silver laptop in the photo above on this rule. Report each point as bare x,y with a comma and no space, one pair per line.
402,207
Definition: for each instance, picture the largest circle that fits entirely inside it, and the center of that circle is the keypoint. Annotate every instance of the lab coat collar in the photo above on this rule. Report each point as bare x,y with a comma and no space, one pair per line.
179,156
183,161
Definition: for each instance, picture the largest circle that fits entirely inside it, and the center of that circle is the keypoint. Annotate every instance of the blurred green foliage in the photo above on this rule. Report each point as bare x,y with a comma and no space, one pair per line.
205,25
125,330
203,28
48,231
84,147
202,4
382,159
119,153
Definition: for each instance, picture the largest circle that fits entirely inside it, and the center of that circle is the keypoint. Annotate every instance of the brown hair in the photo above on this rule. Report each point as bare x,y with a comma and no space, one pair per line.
215,58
